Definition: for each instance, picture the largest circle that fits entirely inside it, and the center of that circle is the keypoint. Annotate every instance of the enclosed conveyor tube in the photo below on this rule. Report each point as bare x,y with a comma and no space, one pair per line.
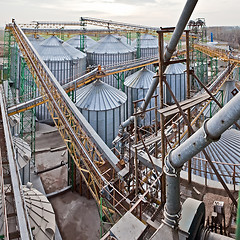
182,22
209,132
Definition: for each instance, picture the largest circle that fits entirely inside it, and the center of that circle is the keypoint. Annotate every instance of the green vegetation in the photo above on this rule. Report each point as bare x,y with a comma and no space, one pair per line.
1,35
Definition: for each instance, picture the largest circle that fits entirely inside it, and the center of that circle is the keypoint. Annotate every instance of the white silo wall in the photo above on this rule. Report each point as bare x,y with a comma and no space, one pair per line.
104,108
136,88
177,80
148,47
110,51
75,42
64,61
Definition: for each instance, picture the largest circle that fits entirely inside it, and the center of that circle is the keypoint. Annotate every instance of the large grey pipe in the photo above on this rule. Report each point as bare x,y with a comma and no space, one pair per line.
209,132
208,235
182,22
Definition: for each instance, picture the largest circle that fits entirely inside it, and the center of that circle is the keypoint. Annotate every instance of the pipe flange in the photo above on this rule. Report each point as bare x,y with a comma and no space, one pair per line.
168,168
171,220
208,136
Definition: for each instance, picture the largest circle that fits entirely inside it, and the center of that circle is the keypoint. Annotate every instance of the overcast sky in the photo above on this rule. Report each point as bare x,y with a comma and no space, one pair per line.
146,12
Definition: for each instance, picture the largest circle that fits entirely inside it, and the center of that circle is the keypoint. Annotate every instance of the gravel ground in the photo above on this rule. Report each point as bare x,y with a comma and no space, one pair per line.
76,216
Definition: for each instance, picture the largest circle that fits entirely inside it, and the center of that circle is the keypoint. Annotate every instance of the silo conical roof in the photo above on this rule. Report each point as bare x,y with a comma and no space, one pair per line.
54,49
99,96
147,41
111,45
75,41
140,79
177,68
36,37
122,38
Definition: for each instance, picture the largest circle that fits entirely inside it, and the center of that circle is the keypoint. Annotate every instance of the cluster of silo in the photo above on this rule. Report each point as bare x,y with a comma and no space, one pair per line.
104,108
136,88
110,51
64,61
76,42
177,80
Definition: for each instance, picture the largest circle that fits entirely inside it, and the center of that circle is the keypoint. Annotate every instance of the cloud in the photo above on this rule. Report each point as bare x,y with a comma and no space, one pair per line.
144,12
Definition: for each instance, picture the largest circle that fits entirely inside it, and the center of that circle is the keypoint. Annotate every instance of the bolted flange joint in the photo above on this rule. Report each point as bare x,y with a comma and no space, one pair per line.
168,168
207,135
171,220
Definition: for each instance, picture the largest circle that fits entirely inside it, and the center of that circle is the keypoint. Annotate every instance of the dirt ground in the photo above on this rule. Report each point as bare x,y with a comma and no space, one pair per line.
208,196
76,216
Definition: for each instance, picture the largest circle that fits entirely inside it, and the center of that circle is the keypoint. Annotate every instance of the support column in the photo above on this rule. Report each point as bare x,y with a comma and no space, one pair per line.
160,73
138,45
135,153
188,97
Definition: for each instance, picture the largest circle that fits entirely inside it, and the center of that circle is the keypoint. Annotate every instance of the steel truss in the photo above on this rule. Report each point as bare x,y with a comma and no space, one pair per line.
95,170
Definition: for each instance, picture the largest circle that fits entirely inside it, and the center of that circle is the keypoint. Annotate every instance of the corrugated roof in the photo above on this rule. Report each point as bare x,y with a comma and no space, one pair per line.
75,41
99,96
177,68
110,45
147,41
141,79
41,213
122,38
227,89
226,150
54,49
37,38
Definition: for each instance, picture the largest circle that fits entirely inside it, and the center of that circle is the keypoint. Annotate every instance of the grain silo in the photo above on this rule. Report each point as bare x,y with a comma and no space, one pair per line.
110,51
177,80
76,42
64,61
104,108
148,47
123,39
35,39
40,212
136,87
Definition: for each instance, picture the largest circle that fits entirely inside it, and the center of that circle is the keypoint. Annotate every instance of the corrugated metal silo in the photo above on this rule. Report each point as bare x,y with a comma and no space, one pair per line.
64,61
109,51
136,87
148,47
75,42
104,108
177,80
35,39
123,39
